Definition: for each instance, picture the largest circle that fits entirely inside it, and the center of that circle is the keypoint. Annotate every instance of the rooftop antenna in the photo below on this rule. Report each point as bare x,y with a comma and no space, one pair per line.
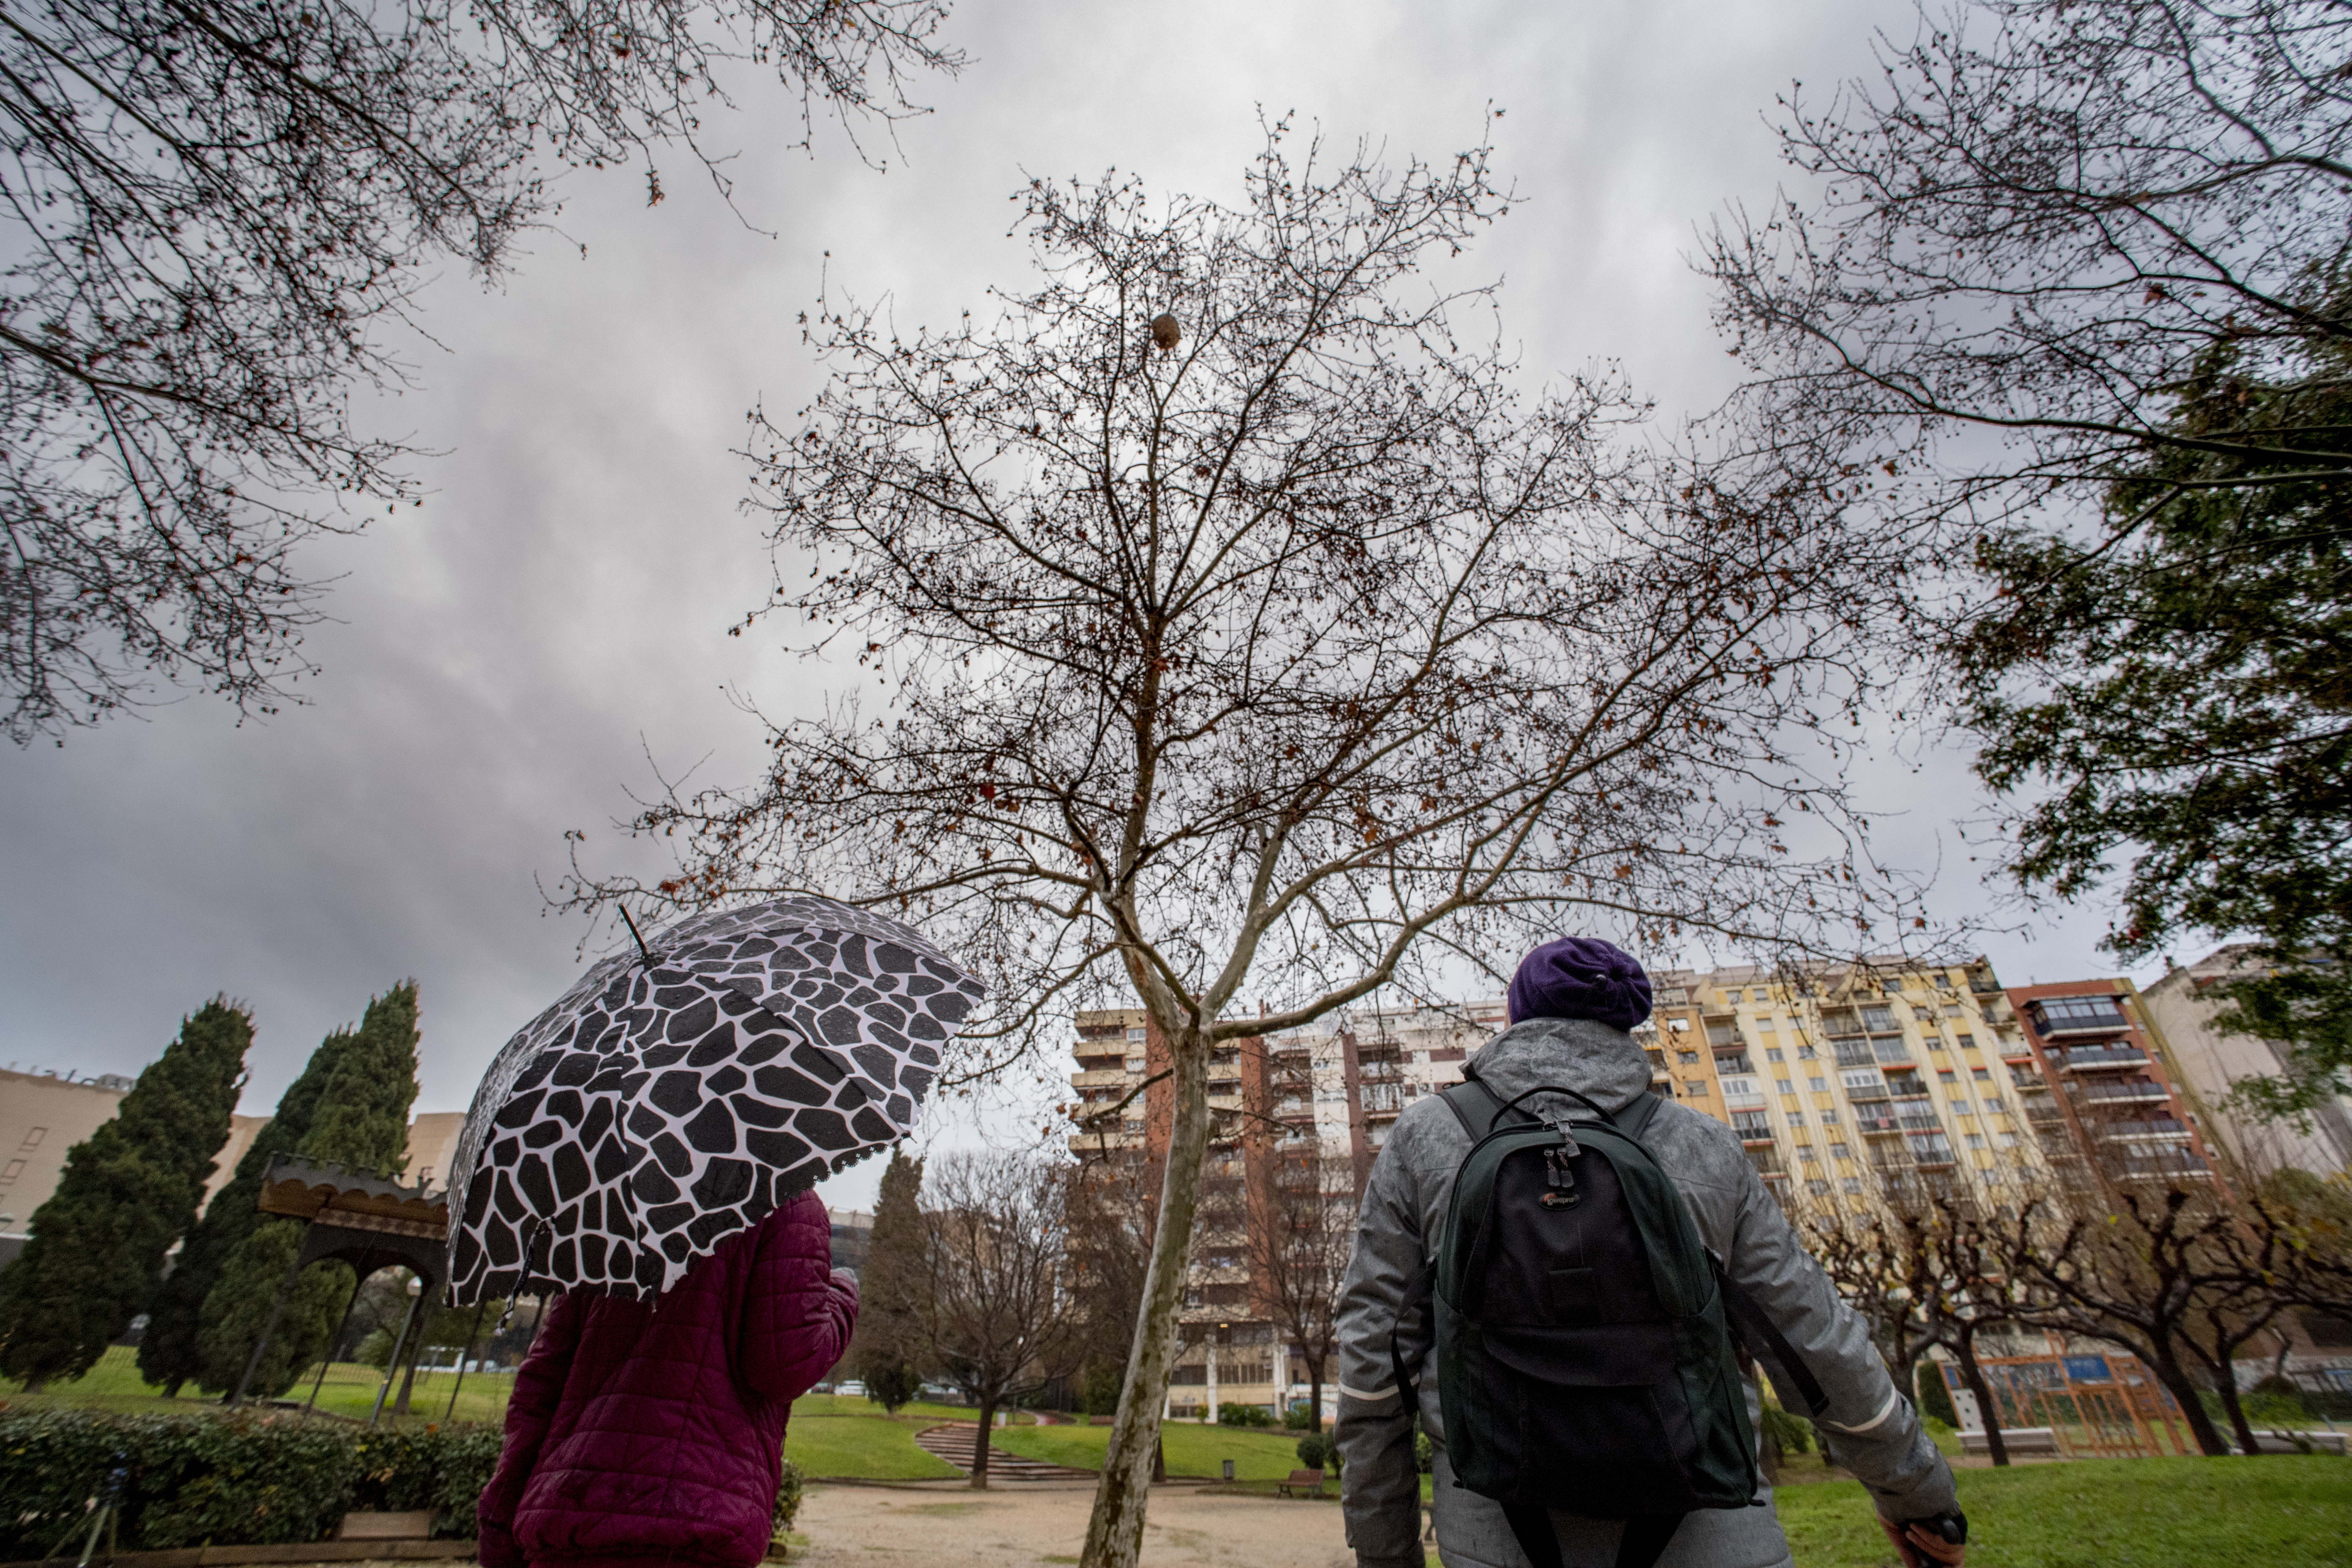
642,951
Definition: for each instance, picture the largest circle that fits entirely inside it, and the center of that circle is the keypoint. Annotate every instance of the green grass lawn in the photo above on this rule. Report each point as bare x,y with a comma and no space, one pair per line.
2267,1512
350,1390
1194,1448
870,1447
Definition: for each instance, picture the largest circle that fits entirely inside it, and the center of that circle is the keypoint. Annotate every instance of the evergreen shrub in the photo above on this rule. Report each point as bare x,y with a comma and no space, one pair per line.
1313,1450
1244,1415
227,1478
788,1497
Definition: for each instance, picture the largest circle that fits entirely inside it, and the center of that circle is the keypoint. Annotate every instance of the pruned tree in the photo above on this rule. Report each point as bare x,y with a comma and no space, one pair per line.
1878,1268
1240,626
2137,1267
2070,286
1301,1233
215,217
997,1313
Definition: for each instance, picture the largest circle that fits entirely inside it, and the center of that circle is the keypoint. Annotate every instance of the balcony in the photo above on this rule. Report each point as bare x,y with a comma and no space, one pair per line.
1733,1062
2136,1089
1099,1078
2068,1017
2160,1167
2101,1058
2125,1132
1890,1050
1380,1072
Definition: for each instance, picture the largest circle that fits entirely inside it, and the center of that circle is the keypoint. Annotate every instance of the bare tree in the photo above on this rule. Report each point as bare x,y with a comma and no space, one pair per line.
1301,1233
2037,225
215,212
2136,1268
996,1308
1242,627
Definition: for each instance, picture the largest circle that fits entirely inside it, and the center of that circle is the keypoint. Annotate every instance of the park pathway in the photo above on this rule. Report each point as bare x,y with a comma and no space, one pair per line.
954,1442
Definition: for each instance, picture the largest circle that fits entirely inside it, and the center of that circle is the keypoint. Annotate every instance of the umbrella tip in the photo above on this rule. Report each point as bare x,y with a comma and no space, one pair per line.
642,951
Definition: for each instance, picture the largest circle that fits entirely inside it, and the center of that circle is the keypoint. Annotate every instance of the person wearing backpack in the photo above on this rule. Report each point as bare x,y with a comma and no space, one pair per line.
1565,1278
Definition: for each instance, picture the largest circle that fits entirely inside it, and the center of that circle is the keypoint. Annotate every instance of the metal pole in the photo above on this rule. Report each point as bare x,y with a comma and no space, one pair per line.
349,1306
392,1361
473,1337
276,1310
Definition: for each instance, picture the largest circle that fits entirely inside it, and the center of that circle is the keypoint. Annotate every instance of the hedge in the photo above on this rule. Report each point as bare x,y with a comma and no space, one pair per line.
227,1478
235,1478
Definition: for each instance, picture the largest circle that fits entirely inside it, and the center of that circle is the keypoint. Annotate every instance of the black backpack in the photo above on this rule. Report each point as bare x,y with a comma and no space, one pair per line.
1584,1353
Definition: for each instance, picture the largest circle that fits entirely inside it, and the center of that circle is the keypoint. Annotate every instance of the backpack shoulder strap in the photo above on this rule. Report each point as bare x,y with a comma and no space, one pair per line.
1473,1105
1633,1119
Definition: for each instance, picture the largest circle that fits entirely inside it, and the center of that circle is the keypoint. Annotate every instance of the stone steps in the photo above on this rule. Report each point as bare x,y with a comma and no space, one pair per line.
956,1441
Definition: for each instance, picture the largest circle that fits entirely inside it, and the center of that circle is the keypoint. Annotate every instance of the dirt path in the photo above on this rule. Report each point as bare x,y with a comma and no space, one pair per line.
876,1526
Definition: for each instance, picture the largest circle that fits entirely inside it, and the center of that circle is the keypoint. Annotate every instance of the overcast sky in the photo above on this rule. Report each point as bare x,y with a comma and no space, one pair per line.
506,657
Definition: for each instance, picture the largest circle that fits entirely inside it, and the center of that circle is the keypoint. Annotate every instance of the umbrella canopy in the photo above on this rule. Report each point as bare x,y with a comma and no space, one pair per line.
677,1095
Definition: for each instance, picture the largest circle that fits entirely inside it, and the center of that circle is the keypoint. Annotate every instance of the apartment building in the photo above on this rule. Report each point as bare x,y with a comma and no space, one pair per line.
2109,1109
2207,1064
1843,1080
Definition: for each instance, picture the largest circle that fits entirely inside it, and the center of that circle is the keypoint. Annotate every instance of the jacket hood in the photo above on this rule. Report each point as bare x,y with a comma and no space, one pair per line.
1582,1054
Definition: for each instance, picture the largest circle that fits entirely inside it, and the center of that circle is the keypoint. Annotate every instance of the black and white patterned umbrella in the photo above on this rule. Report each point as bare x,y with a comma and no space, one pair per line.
679,1093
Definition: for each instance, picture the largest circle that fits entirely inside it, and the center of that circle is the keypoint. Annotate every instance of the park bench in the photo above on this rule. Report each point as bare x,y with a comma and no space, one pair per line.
2022,1442
1298,1481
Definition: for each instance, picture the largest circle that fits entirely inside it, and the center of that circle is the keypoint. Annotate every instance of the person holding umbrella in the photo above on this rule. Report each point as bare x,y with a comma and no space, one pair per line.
647,1147
645,1431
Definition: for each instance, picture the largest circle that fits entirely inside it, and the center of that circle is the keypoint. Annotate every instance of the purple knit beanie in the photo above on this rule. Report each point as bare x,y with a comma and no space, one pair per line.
1580,977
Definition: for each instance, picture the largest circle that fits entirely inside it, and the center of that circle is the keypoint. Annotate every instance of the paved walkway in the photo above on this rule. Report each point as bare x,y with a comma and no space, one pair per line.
956,1441
1045,1523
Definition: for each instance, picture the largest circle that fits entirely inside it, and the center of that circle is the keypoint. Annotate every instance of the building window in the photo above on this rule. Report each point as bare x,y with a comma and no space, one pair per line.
1135,1037
1690,1059
1784,1086
1817,1188
1818,1084
1983,1073
1959,1105
1946,1076
1805,1153
1966,1041
1806,1053
1840,1152
1976,1139
1695,1088
1851,1184
1935,1044
34,1137
1775,1055
1796,1119
1829,1118
1993,1102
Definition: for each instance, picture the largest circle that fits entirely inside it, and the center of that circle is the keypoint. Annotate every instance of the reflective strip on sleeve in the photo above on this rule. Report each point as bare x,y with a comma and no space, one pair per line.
1885,1413
1368,1393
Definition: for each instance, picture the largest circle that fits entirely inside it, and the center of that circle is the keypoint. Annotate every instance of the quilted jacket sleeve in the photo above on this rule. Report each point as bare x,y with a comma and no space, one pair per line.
537,1385
798,1310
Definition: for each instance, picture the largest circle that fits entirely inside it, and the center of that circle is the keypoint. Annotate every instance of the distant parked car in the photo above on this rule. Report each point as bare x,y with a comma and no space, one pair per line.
853,1389
822,1388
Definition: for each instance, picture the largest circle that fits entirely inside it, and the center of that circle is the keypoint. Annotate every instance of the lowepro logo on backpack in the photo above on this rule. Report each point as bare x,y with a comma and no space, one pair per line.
1585,1363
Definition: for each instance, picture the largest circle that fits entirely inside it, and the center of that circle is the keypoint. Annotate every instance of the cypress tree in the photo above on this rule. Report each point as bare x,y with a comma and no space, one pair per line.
127,1192
888,1348
168,1352
358,1118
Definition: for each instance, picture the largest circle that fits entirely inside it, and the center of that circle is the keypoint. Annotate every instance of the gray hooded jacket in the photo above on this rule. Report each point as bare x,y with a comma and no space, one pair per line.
1870,1427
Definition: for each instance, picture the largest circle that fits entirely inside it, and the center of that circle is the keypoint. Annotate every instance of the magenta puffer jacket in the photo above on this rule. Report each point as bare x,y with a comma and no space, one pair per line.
645,1433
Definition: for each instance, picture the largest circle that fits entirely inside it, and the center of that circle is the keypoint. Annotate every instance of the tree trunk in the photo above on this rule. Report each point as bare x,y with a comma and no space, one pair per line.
2225,1383
2176,1382
1115,1532
1314,1396
979,1444
1964,1347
